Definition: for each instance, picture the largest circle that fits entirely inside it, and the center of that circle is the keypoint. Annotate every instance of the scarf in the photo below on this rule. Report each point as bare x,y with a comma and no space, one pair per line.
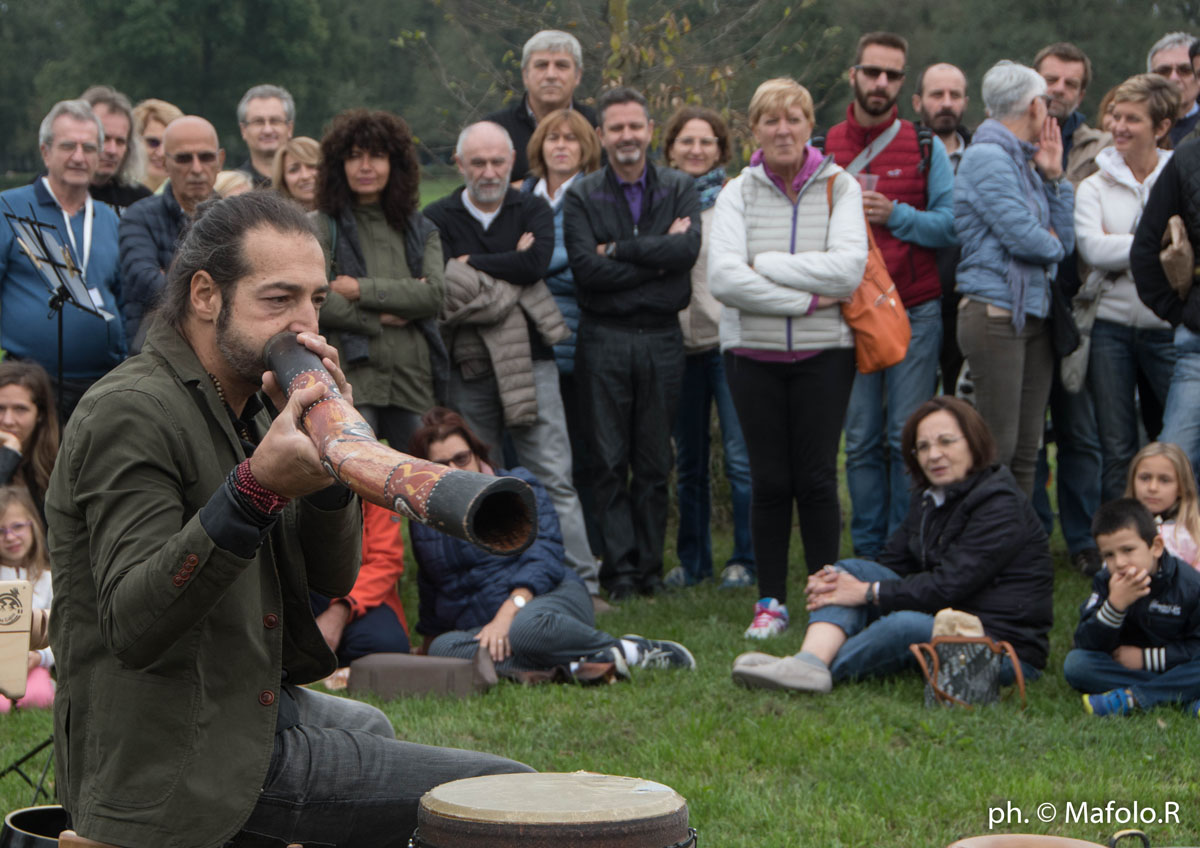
709,185
1021,275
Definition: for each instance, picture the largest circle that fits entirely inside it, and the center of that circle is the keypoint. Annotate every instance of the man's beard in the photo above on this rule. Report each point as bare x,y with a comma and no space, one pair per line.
245,362
874,111
943,123
630,155
488,193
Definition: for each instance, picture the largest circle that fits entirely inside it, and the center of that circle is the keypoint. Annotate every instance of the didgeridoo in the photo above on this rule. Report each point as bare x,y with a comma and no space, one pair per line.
498,514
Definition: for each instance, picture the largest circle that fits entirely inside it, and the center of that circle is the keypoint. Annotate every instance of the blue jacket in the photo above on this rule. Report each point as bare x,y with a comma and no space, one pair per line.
149,234
561,283
91,345
994,223
461,586
1165,624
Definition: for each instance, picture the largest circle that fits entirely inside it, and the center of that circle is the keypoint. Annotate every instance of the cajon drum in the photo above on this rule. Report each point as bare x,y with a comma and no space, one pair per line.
16,621
578,810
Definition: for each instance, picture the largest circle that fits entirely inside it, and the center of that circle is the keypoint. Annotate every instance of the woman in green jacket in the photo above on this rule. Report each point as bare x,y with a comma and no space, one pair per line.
385,275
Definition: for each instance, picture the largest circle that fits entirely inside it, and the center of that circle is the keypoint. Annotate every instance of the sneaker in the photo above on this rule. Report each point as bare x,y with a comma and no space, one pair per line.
660,653
614,655
770,619
676,578
1087,562
1112,702
785,673
737,576
753,658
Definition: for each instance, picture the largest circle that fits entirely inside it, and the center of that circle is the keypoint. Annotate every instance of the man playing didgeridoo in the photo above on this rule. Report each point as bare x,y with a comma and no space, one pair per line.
186,528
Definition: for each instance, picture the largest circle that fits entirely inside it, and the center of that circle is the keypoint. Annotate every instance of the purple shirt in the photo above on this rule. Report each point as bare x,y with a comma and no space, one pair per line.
812,160
634,192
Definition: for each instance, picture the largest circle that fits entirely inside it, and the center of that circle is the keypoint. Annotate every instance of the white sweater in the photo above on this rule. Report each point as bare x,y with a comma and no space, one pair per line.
1108,206
768,259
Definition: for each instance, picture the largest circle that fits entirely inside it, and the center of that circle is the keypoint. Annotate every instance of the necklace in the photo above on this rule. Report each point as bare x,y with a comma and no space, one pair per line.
238,423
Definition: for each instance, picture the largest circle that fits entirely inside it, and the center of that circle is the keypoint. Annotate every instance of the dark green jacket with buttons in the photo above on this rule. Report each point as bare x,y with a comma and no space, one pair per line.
170,649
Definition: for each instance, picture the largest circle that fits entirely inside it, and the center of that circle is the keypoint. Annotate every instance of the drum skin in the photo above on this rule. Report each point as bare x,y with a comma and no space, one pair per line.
580,810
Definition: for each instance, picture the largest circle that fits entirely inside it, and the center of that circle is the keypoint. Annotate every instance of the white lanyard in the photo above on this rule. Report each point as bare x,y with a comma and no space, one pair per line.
89,211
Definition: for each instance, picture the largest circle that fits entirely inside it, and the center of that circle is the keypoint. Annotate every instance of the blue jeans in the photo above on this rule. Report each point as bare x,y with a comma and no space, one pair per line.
339,777
1181,424
704,383
880,403
877,645
1096,671
1074,416
1118,354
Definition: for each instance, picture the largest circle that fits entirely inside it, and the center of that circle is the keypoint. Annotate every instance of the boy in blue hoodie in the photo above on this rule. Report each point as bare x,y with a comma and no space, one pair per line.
1138,640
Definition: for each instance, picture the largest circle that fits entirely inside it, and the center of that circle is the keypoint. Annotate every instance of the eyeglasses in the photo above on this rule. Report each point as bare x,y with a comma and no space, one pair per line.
461,459
206,157
702,141
15,529
71,146
873,72
1185,71
944,441
259,123
152,142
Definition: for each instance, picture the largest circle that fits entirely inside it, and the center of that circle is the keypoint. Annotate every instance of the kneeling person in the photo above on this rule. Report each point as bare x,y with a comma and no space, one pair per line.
1138,640
186,529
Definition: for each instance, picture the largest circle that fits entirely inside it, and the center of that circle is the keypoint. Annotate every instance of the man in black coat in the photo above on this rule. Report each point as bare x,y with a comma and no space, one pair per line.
551,67
632,231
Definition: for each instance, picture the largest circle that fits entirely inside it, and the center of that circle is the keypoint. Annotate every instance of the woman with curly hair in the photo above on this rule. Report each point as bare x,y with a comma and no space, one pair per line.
385,271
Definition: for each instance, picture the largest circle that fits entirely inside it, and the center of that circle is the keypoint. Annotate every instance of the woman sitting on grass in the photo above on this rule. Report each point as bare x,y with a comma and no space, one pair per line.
971,541
529,611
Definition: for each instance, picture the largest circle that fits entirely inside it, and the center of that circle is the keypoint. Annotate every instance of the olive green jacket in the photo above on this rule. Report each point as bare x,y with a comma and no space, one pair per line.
171,649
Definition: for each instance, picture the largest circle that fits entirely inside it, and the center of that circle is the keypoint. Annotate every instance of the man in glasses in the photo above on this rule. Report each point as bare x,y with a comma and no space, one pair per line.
1170,58
908,198
70,138
150,228
1068,72
266,115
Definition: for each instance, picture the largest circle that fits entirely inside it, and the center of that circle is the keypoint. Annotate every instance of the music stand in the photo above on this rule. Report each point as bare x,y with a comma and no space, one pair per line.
53,261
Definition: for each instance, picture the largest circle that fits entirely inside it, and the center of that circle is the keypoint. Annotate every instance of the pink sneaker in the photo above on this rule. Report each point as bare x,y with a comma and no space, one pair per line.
770,619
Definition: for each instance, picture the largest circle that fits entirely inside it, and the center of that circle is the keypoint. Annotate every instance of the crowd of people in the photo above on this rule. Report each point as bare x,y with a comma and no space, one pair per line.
573,313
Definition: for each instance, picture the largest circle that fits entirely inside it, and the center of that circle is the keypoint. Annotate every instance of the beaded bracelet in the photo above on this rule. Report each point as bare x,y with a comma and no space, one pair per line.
264,500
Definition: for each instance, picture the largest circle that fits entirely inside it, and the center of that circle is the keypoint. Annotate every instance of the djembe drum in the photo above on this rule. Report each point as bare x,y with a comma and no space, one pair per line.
579,810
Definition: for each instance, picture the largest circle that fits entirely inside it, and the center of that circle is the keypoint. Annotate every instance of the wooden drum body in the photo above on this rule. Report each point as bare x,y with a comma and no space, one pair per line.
579,810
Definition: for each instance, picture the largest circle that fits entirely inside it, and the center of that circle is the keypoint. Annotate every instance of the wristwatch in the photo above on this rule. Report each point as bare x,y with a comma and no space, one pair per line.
870,596
518,601
610,250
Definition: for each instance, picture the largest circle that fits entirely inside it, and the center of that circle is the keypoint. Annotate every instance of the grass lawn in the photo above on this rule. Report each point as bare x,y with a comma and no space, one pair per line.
865,765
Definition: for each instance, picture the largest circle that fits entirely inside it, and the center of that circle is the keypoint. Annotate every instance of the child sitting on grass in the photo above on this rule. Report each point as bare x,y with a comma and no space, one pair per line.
1138,640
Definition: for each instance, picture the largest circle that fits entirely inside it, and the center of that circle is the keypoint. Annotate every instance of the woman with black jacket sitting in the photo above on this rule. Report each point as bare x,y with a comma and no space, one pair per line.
971,541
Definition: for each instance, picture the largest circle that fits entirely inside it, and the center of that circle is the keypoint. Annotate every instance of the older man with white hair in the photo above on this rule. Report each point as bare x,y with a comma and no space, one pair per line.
551,68
1015,224
502,322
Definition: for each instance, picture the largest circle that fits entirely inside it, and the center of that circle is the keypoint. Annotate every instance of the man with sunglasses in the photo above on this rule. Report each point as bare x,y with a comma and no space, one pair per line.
908,198
70,139
150,228
1170,57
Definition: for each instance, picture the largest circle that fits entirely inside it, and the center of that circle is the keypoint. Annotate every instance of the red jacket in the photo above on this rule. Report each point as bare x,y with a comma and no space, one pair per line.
382,564
913,268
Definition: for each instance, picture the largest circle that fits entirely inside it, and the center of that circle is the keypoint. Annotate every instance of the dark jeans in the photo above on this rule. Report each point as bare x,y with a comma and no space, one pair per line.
341,778
1075,434
378,631
704,385
791,415
629,381
1094,672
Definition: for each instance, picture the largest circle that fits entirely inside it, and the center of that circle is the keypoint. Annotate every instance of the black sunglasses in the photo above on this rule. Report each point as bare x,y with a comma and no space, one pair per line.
206,158
873,72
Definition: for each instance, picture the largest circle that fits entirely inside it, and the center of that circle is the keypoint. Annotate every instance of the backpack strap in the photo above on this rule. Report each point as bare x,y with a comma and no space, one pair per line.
925,140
